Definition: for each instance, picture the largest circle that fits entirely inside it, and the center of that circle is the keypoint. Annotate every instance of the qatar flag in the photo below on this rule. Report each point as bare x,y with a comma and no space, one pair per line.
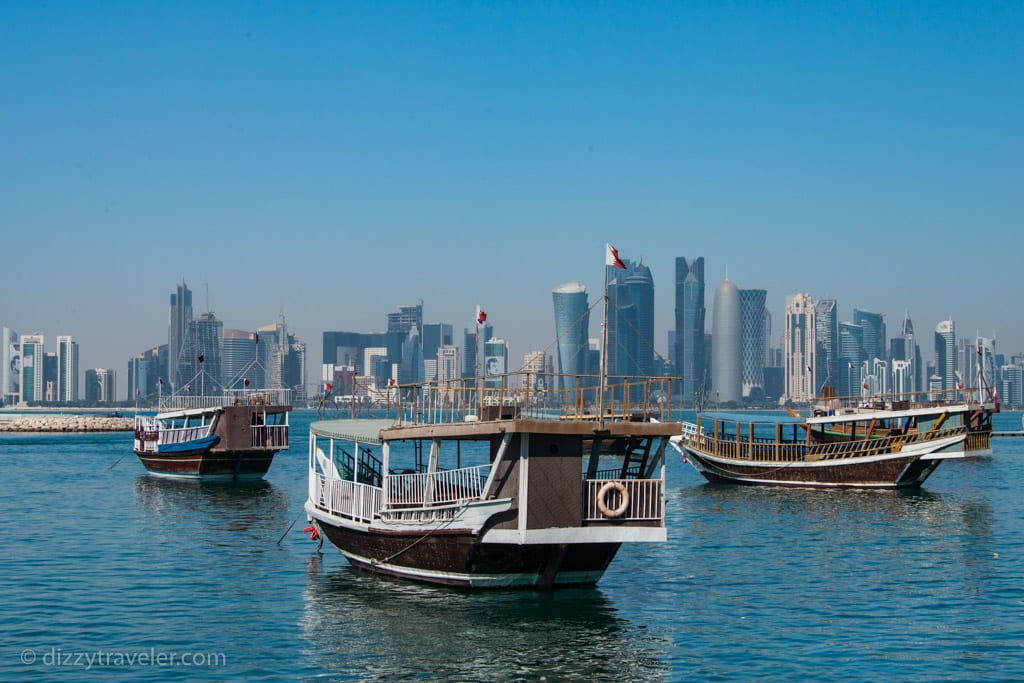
611,257
481,316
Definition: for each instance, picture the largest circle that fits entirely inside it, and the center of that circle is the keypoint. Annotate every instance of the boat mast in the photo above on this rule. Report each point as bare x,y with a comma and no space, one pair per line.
604,353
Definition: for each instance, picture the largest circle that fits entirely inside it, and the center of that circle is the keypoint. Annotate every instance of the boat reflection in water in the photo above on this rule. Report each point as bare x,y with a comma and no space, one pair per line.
255,509
444,634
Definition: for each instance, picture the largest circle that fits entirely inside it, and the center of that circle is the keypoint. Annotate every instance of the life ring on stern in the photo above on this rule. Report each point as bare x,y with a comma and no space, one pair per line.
602,493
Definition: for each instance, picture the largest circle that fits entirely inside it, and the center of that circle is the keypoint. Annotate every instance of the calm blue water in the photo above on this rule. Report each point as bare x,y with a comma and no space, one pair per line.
107,573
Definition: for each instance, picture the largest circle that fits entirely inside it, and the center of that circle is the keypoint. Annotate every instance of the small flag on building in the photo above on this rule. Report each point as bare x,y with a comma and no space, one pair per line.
611,257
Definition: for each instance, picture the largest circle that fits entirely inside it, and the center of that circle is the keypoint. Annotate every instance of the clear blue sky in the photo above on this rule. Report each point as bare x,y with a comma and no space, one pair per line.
333,161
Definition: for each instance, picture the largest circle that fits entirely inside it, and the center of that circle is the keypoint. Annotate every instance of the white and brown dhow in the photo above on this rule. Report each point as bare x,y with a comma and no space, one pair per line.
226,437
866,448
496,486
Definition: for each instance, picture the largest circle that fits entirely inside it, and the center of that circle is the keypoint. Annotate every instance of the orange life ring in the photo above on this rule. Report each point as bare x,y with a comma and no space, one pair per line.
602,506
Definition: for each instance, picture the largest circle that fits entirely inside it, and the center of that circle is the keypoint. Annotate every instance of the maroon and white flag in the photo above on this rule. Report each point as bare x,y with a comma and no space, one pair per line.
481,316
611,257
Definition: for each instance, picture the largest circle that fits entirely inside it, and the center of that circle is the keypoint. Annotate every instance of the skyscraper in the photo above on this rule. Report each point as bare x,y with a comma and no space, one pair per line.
471,339
67,369
207,343
851,358
435,335
10,372
753,342
33,368
799,348
238,360
572,330
945,354
100,385
873,325
407,317
905,348
495,361
630,320
690,319
180,316
826,341
726,343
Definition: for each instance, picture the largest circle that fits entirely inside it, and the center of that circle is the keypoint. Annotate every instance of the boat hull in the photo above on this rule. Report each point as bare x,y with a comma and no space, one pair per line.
207,464
893,471
458,558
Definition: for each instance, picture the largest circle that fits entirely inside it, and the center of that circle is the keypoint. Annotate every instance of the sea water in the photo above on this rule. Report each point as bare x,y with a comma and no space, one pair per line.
108,573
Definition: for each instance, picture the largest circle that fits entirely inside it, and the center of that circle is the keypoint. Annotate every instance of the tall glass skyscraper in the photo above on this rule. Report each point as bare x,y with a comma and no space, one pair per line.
207,341
753,342
67,369
826,341
873,325
630,320
178,329
572,329
945,354
851,358
407,317
239,360
905,348
726,343
690,314
33,368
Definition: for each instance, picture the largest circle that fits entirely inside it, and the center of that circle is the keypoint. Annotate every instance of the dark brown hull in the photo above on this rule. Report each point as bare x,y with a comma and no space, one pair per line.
251,464
898,472
459,559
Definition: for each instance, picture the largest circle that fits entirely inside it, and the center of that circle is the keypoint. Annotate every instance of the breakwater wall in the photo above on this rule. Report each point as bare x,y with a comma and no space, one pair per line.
66,423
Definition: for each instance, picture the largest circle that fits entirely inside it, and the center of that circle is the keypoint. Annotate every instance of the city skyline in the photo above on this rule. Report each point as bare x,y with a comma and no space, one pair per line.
332,163
418,316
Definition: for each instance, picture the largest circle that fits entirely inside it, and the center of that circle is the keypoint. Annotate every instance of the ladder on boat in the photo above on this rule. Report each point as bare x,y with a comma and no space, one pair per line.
638,454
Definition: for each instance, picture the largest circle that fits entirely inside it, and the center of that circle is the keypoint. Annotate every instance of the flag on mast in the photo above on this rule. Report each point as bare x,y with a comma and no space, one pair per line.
481,315
611,257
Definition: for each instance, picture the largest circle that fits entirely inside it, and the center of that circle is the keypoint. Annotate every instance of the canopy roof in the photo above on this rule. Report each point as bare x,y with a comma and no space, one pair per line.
361,430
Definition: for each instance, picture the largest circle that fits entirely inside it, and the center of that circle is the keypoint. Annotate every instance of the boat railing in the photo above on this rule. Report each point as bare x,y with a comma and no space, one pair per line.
905,400
270,436
766,449
230,397
183,434
643,500
540,396
429,489
345,498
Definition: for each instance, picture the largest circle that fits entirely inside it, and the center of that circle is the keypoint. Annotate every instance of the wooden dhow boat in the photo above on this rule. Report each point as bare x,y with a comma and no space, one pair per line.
231,437
495,486
881,448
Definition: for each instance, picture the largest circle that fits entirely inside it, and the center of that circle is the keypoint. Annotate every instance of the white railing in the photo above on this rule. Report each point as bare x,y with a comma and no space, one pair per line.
270,436
645,500
360,502
183,434
439,488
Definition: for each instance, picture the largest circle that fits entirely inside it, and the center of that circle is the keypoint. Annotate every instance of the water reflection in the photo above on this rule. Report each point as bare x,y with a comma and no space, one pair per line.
254,509
377,628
